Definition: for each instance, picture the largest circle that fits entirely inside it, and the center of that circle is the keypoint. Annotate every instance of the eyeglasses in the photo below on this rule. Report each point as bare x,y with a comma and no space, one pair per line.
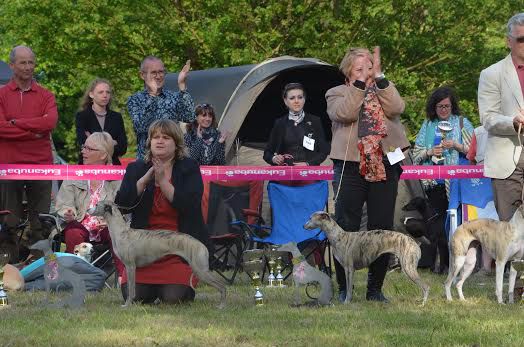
159,73
443,107
204,105
519,39
90,149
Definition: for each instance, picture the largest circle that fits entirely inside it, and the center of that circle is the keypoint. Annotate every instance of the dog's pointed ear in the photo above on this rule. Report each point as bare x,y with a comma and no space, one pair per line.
108,208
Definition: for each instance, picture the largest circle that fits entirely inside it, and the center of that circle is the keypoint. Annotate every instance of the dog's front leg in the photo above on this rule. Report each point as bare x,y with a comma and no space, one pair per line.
349,284
499,279
131,283
511,285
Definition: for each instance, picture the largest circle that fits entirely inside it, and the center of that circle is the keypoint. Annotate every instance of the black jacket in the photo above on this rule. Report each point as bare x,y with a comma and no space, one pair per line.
114,125
312,125
186,179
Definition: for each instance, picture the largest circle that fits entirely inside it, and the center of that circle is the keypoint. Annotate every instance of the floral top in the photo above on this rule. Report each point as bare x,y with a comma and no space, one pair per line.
144,109
206,150
92,223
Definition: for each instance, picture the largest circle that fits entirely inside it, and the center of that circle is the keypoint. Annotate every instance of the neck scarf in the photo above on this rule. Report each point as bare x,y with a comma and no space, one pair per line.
371,130
296,117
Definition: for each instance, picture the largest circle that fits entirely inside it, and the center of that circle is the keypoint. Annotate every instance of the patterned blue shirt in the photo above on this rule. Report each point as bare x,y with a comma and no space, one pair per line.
144,109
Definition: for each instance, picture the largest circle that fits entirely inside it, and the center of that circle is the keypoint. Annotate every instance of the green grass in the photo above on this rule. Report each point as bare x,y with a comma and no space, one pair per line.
478,321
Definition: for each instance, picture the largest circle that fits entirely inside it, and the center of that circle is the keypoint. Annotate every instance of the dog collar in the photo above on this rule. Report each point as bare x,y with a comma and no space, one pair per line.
298,260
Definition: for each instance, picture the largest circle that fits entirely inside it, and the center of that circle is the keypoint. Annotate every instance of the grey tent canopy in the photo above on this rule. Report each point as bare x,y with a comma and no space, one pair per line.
5,73
247,99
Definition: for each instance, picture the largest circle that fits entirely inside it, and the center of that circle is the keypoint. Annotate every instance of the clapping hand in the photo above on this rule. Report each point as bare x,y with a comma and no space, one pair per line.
223,136
158,169
377,66
182,75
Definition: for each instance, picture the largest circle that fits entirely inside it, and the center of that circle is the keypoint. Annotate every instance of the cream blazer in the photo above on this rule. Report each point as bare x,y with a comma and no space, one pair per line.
499,98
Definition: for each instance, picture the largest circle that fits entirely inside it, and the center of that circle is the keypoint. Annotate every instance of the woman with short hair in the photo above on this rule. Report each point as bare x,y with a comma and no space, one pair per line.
75,197
365,114
297,138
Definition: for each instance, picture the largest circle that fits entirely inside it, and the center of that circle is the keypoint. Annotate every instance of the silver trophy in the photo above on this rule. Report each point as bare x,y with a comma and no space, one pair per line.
4,259
445,127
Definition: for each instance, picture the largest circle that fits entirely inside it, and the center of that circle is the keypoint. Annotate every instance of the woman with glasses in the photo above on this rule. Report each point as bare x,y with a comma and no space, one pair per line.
297,138
433,147
204,141
95,115
75,197
163,191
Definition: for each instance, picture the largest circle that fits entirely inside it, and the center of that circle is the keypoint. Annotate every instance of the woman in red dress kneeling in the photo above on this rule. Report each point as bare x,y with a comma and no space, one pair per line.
164,192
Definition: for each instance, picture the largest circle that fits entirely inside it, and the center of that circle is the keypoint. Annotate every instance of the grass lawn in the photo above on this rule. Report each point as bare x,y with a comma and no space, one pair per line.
479,321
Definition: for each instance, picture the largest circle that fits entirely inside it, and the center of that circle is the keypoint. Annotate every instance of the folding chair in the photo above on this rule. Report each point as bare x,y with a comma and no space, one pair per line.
222,206
291,207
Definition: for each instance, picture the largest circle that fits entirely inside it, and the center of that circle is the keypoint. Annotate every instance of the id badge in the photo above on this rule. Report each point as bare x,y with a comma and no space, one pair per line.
309,143
395,156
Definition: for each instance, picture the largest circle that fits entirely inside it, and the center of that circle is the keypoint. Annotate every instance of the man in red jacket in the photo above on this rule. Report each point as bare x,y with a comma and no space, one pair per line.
28,115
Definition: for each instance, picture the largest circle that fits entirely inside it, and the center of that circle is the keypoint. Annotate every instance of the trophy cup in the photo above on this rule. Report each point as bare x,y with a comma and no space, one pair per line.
4,259
254,264
519,266
445,127
276,263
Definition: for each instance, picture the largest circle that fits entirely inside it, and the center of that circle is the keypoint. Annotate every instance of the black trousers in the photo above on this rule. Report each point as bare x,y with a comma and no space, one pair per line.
380,198
12,194
167,293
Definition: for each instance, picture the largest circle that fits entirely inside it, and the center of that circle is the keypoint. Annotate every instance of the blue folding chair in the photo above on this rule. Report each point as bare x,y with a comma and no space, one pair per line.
291,207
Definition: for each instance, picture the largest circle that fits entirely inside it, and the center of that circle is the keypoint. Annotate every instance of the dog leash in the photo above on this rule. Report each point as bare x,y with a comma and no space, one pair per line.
344,164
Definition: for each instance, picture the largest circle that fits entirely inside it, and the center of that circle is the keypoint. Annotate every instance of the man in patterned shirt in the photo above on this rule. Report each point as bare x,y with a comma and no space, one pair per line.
156,102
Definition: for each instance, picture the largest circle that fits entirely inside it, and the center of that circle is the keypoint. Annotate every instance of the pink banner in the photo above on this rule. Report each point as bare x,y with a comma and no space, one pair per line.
228,173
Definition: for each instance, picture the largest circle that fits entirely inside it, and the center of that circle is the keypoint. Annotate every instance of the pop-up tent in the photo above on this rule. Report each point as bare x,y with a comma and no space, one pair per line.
247,99
5,73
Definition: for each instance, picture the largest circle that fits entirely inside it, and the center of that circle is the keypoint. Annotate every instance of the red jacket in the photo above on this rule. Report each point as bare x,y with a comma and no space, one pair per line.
27,141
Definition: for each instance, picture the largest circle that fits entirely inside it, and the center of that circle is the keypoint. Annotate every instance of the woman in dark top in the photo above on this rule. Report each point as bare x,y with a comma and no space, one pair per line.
204,141
164,191
95,115
297,138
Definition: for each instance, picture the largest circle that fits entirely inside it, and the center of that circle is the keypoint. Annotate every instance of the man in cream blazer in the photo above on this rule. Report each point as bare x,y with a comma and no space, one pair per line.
501,108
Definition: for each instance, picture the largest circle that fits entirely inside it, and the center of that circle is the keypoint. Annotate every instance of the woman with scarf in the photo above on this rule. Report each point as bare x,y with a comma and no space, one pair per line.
205,142
365,114
297,138
442,105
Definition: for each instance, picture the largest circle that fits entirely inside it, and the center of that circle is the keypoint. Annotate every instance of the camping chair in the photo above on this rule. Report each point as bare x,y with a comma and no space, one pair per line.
291,207
223,204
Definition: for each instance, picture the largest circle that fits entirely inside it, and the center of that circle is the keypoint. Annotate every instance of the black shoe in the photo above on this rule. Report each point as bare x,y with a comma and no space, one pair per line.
342,296
377,297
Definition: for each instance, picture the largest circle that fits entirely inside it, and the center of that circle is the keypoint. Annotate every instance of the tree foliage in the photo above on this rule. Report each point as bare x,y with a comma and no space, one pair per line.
425,43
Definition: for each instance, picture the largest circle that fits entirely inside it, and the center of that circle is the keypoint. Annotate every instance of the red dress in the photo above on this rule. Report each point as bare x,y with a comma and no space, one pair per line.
170,269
